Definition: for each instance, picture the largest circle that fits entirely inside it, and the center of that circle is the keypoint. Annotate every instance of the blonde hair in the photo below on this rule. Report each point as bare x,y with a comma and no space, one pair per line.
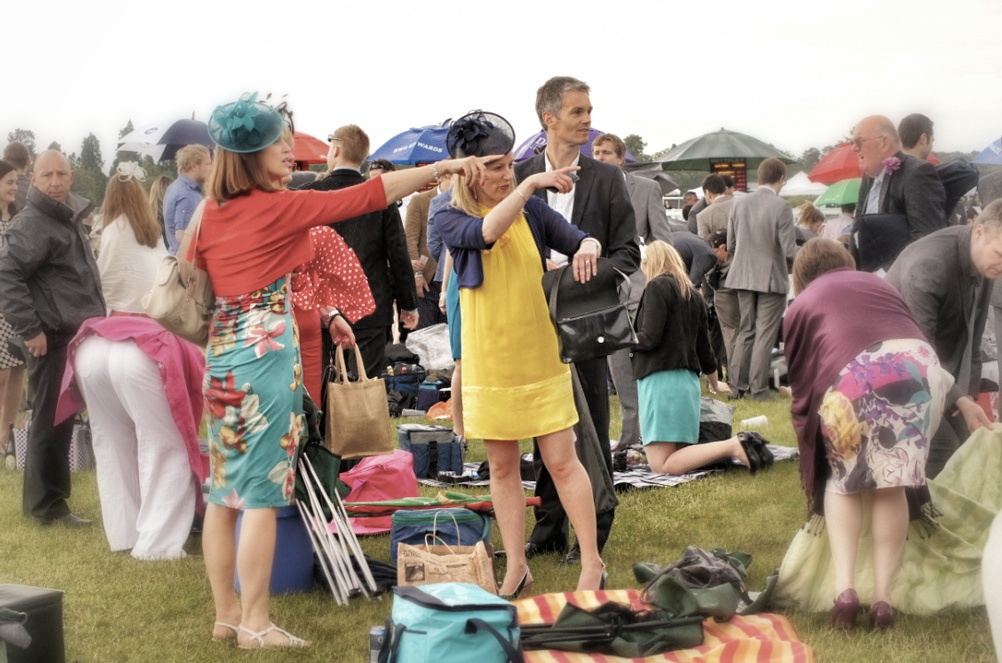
662,258
816,257
463,197
190,156
157,191
126,197
235,174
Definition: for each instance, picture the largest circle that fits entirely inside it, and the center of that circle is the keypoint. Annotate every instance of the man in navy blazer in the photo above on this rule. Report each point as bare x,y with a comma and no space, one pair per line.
600,206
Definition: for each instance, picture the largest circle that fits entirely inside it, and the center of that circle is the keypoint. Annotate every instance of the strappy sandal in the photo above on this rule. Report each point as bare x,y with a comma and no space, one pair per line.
232,635
258,639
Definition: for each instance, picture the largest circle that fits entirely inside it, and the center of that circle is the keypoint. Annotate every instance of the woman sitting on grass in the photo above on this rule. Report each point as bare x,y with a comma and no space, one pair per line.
673,346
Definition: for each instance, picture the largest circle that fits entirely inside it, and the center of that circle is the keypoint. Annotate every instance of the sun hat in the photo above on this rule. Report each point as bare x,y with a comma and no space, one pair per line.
480,134
246,125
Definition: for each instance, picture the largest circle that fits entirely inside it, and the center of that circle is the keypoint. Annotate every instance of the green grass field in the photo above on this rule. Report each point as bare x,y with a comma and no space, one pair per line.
119,609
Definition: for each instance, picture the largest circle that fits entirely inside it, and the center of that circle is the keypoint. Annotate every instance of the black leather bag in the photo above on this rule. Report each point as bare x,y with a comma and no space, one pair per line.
591,318
879,239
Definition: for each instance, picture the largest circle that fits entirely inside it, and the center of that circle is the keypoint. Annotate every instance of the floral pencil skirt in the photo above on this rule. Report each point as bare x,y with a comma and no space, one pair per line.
878,417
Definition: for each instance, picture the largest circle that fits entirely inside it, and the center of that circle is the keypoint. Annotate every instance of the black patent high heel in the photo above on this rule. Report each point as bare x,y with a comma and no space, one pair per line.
603,579
523,584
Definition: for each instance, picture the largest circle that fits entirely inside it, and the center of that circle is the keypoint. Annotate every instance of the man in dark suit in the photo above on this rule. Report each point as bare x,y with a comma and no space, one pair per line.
652,224
379,242
895,183
945,279
600,206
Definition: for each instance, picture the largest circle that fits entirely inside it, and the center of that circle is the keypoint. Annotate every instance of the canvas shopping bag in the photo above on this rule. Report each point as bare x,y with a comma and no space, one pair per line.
358,417
427,563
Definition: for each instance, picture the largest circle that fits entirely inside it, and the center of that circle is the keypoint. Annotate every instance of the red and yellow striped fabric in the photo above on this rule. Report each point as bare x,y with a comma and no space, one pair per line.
758,638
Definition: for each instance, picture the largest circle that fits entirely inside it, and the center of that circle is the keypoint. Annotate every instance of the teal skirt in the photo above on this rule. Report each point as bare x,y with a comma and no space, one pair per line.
669,407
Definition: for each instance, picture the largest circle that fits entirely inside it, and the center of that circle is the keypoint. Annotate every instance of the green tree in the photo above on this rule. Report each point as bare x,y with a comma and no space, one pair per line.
90,154
810,158
24,136
636,145
89,180
55,146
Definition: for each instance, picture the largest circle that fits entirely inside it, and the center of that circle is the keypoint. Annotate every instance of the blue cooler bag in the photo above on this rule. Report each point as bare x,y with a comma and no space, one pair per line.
450,622
455,527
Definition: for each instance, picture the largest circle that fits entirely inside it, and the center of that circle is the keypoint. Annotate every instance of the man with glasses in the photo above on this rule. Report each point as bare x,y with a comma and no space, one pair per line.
894,184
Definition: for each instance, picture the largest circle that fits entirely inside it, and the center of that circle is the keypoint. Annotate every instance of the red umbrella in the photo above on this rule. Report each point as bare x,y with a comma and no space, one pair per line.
839,164
309,149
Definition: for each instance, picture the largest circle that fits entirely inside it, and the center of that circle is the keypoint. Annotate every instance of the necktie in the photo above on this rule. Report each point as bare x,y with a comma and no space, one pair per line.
873,199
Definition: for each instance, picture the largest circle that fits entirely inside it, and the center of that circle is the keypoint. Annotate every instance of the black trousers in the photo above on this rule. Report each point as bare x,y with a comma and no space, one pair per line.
371,344
550,531
47,461
428,311
952,432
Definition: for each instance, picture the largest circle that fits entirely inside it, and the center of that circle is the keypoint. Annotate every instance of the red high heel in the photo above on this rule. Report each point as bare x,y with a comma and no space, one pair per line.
881,616
845,610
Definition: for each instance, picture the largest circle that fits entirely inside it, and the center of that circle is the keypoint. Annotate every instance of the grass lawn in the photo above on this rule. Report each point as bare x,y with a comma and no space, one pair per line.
120,609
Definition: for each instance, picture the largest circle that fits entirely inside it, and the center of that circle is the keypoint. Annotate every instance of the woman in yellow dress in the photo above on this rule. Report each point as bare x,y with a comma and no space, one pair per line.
514,385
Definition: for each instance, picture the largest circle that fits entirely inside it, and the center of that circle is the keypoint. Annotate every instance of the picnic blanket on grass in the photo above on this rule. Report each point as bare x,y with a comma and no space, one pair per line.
941,569
757,638
637,477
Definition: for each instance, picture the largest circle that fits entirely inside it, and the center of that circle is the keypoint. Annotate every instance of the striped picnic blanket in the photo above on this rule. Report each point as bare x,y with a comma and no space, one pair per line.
757,638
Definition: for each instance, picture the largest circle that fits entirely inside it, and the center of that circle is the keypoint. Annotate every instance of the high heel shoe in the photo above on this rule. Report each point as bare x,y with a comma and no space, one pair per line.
603,579
751,451
881,616
845,610
523,584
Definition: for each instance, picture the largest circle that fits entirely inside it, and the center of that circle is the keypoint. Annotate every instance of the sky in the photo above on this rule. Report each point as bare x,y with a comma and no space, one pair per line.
794,73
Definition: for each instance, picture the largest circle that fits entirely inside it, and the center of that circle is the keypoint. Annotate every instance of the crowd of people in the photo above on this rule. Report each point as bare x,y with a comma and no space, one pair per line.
299,264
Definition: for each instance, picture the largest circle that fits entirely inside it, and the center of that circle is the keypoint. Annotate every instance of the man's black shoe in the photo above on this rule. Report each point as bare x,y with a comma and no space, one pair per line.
573,557
68,520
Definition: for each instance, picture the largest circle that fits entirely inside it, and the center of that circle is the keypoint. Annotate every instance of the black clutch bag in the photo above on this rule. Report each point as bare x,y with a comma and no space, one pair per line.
591,318
879,239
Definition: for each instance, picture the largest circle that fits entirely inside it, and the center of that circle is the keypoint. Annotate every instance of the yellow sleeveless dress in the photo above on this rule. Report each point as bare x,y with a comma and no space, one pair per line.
514,384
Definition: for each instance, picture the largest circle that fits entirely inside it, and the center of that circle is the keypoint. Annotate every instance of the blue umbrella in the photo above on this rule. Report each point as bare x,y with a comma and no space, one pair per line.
991,155
537,142
414,146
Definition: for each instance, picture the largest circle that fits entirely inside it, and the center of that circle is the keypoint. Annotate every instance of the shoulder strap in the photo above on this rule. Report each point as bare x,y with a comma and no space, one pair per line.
190,238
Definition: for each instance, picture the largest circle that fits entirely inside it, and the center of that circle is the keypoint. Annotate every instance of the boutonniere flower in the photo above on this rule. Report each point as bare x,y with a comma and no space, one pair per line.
891,164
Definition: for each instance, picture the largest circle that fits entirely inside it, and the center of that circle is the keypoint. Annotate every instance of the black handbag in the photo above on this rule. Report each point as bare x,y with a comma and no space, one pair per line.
591,318
879,239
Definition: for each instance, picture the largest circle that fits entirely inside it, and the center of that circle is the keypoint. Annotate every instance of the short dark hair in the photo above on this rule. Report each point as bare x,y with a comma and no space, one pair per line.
354,142
16,154
849,208
728,181
912,127
771,170
717,238
714,184
618,146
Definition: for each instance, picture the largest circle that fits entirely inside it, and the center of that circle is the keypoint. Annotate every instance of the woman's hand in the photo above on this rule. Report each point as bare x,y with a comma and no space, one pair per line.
340,331
473,168
585,262
974,416
721,388
558,179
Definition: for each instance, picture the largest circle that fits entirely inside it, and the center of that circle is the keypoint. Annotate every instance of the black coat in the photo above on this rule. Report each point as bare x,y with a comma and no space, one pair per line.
672,331
379,241
602,208
915,191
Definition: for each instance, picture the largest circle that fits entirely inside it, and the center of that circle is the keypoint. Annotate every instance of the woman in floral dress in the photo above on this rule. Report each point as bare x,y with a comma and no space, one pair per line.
253,235
868,392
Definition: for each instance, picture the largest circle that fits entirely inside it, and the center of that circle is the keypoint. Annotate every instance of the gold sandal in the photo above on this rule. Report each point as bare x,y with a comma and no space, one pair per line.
258,642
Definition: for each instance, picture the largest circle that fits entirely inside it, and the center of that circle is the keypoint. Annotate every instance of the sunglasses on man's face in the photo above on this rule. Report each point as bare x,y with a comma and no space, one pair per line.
331,138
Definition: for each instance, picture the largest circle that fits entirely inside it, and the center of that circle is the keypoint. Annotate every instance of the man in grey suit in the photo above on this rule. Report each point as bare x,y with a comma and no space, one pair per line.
600,206
990,190
761,238
945,279
652,224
